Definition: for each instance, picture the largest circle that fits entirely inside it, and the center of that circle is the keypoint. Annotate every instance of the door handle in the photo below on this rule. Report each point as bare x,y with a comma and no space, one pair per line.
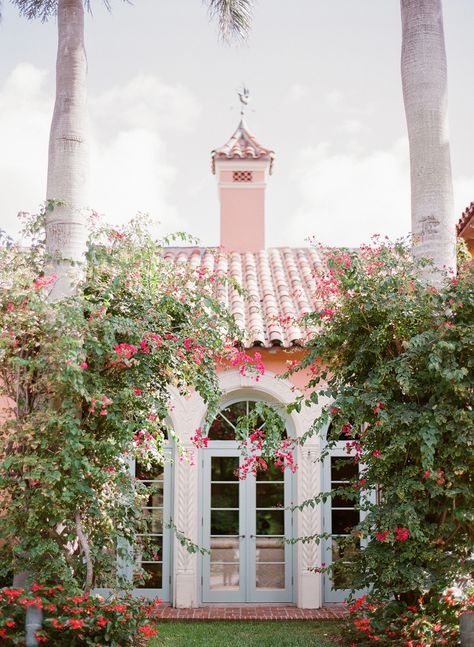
242,536
252,536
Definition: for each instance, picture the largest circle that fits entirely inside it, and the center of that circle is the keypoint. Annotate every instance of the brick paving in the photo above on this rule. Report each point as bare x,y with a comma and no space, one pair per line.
330,612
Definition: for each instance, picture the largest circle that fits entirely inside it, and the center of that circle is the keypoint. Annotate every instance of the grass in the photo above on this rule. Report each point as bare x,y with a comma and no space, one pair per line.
246,634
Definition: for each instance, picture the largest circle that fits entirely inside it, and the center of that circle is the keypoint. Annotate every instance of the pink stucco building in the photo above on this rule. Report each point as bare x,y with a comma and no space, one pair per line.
242,522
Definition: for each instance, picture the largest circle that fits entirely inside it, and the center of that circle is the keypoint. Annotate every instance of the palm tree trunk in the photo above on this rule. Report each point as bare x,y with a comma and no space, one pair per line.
425,92
68,161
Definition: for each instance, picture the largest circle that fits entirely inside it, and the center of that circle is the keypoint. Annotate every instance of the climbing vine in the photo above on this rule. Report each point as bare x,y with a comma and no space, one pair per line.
393,359
87,385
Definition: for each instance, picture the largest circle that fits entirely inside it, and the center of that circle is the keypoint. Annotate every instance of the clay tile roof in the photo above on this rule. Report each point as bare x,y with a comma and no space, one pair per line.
466,219
242,145
279,287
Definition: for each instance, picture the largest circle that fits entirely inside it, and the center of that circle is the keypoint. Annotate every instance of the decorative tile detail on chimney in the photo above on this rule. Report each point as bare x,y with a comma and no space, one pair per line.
242,176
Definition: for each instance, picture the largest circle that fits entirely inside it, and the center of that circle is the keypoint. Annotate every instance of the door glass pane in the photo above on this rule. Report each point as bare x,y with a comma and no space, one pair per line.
153,519
149,548
270,495
344,550
343,469
273,473
224,576
148,472
270,576
155,500
343,521
155,579
270,522
224,522
224,468
225,495
342,501
220,429
270,549
225,549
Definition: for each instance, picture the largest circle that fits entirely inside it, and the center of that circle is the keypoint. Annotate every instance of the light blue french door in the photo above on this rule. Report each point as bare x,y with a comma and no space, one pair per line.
244,523
152,551
340,516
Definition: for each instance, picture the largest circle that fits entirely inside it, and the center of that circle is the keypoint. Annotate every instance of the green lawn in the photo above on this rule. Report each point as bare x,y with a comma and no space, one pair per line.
246,634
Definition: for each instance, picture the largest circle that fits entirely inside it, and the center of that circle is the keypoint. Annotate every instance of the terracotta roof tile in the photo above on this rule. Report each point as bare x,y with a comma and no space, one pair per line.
466,218
279,287
242,145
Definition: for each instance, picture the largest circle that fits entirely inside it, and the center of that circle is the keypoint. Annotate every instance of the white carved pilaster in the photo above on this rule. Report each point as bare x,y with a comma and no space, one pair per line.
186,415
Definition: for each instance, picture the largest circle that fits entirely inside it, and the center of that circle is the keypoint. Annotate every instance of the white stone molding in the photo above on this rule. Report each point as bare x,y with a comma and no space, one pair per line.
309,524
186,415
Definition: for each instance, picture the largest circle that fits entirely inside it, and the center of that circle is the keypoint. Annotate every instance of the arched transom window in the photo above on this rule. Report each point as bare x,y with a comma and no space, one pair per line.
235,421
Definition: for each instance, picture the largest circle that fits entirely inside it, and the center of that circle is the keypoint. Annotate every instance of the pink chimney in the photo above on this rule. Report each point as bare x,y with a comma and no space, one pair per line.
242,166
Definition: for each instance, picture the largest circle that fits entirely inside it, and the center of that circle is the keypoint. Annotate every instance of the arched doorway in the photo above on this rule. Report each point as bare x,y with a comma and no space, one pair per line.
244,520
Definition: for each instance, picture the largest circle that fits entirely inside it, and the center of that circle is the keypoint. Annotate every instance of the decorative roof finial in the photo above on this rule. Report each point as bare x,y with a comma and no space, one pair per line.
244,96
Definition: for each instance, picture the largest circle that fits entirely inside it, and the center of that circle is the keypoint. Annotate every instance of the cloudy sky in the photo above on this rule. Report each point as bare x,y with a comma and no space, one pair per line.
326,96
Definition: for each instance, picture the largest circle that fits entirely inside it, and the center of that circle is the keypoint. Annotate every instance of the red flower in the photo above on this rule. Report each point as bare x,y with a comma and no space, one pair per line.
401,534
148,631
56,624
382,536
75,624
40,638
83,365
101,622
137,391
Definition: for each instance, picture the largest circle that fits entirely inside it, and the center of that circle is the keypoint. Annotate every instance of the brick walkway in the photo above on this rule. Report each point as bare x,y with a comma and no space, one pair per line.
251,613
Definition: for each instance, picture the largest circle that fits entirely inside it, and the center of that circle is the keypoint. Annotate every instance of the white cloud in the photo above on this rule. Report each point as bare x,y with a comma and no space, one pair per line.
352,127
25,113
334,99
298,92
130,164
347,197
145,103
463,194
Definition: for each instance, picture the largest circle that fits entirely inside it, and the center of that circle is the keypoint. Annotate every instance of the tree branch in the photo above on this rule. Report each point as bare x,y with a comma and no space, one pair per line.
87,553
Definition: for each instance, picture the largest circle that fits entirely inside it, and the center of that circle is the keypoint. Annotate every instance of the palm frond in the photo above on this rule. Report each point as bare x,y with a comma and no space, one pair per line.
43,9
36,8
234,17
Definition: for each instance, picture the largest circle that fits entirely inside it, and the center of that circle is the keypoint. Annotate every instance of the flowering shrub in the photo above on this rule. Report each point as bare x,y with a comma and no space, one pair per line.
432,621
263,439
395,359
87,381
76,620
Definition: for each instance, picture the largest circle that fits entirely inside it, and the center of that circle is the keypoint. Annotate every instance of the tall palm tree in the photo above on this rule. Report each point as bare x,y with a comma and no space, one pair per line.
68,157
425,90
68,160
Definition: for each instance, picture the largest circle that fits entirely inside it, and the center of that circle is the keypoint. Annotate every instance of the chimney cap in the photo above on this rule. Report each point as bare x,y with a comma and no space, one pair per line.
242,145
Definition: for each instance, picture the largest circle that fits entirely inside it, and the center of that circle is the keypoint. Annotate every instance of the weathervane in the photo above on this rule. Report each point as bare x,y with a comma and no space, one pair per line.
244,96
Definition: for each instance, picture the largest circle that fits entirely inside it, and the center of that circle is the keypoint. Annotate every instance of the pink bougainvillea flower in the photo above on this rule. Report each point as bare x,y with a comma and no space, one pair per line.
83,365
45,281
198,440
